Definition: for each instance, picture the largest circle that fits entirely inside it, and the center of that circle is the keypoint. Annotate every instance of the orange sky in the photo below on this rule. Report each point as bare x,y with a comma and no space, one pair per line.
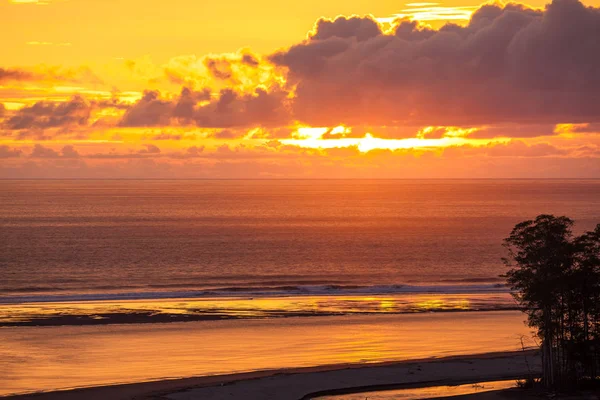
189,89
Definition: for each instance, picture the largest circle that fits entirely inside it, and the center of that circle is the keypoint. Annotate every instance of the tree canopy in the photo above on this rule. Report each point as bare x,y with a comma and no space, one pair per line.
555,277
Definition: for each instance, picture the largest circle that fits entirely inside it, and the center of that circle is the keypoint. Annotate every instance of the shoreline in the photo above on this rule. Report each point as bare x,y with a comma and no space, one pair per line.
387,375
150,311
149,318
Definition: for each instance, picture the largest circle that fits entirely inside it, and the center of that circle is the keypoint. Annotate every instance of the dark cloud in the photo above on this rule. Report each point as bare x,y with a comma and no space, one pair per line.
228,109
225,134
342,27
229,67
233,109
118,156
14,74
150,110
69,152
48,73
150,149
40,151
111,103
509,64
35,120
186,104
194,150
219,68
190,152
49,114
250,60
309,60
514,131
7,152
515,71
517,148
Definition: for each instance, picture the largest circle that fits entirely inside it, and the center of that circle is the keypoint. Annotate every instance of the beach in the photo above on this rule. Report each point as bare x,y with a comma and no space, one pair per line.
63,357
312,382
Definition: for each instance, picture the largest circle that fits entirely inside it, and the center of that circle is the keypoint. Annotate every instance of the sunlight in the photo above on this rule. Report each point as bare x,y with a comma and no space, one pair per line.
312,139
431,12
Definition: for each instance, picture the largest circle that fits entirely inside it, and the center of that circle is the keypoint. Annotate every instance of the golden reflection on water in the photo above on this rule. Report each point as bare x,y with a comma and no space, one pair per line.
386,305
432,303
260,307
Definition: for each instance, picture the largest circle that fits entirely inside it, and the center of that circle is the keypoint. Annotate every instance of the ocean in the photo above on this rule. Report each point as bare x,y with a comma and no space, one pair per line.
99,251
106,282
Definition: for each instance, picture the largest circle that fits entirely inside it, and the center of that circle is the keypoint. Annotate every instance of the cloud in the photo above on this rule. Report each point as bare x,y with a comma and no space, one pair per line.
240,71
166,136
274,159
69,152
342,27
516,148
37,2
187,102
49,74
190,152
343,132
40,151
270,133
225,134
233,109
7,152
150,110
250,60
111,103
509,64
228,109
219,68
47,119
513,70
577,128
59,44
49,114
194,150
514,131
14,74
150,149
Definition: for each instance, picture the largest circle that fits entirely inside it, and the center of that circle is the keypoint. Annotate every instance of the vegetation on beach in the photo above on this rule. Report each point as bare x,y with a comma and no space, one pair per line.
555,277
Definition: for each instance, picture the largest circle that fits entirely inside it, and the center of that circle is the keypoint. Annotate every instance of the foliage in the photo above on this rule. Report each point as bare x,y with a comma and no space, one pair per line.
555,277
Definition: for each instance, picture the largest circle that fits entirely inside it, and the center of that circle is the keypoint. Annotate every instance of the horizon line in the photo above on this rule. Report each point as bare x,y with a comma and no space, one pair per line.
297,179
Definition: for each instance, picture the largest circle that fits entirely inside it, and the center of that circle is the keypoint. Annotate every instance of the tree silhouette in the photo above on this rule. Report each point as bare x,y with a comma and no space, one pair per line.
555,277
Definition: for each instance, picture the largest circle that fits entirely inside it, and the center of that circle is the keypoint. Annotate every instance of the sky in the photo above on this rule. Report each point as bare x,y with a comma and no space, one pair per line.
311,89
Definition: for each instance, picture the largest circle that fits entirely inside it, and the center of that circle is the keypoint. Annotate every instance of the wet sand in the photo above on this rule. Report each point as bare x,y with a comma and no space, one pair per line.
65,357
306,383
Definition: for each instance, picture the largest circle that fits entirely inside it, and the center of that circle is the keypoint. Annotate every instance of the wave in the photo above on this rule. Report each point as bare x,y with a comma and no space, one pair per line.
263,291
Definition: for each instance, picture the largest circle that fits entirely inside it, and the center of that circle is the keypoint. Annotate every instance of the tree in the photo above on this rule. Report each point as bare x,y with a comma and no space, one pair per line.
555,277
586,284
